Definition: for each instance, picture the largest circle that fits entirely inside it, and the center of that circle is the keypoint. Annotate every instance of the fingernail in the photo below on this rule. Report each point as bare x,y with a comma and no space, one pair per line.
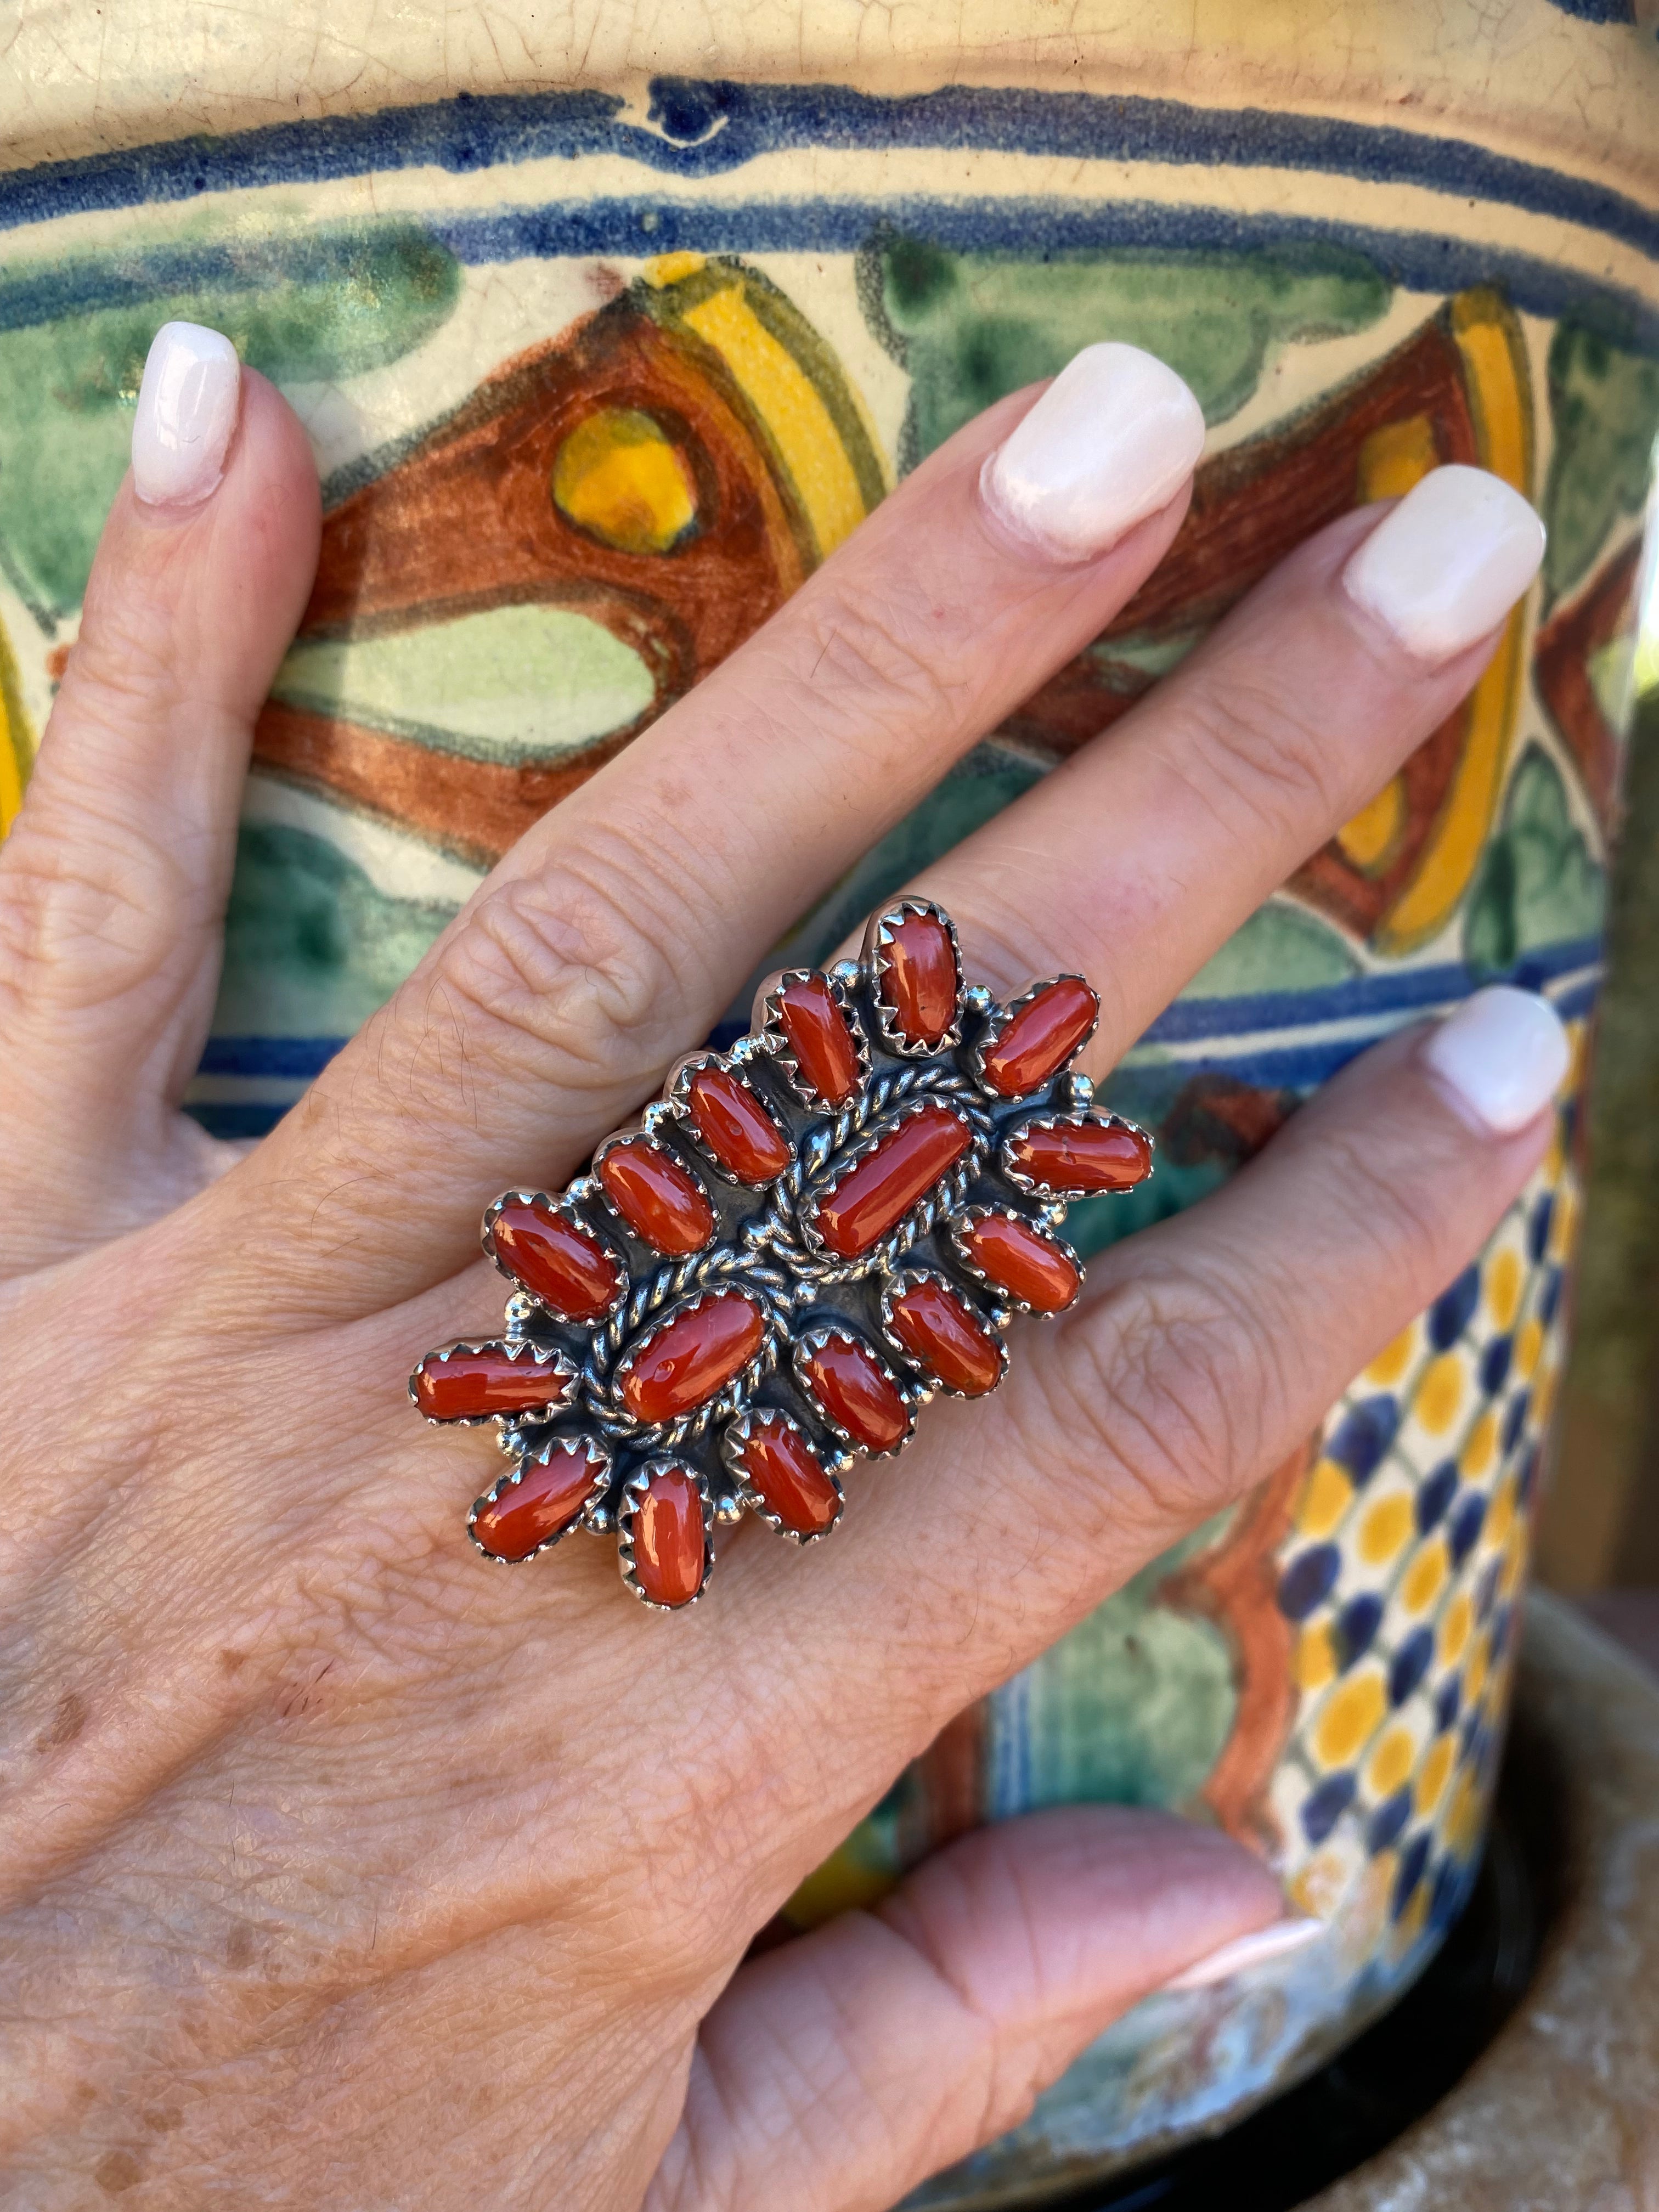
1502,1055
1444,568
187,413
1111,440
1277,1941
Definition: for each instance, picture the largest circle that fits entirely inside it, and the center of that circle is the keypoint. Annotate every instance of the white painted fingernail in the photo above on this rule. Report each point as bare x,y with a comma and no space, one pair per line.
1444,567
1277,1941
1502,1055
1111,440
186,413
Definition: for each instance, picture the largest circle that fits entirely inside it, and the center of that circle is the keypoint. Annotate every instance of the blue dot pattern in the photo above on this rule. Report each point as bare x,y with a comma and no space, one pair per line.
1398,1584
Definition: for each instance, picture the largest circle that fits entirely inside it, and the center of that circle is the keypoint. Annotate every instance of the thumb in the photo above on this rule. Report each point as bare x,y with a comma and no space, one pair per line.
836,2073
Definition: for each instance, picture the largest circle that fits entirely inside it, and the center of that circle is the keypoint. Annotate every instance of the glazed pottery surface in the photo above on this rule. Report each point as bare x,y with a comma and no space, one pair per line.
600,357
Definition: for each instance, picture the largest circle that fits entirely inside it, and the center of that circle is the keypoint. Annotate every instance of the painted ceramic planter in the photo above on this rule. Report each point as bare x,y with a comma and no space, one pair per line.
595,381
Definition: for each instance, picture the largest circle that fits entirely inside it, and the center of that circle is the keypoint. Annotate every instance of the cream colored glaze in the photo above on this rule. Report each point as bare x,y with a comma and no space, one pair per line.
83,76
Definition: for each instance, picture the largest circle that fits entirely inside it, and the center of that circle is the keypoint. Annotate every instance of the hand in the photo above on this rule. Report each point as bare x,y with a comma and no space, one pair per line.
341,1870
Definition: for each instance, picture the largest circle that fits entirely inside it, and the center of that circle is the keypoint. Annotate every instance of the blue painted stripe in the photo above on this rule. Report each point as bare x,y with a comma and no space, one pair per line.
708,129
1404,991
243,1120
1417,261
291,1059
1304,1067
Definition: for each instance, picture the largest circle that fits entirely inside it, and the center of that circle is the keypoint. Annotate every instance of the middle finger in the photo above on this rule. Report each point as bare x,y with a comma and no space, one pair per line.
613,935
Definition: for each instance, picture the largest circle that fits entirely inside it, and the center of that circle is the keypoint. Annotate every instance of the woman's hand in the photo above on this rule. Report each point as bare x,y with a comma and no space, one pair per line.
340,1871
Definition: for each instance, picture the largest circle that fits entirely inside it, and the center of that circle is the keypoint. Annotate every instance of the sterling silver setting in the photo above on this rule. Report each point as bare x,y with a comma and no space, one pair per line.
660,1467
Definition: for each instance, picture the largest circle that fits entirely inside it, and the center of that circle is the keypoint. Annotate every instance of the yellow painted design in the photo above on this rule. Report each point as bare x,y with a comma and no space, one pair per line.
1543,1401
1346,1720
1455,845
1409,1925
1371,838
619,478
840,1885
1500,395
1384,1529
1391,460
1455,1629
1381,1875
1563,1221
1499,383
1315,1656
1477,1454
1440,1394
1435,1774
1396,457
11,772
1501,1518
16,738
1502,1286
1528,1346
1556,1159
784,397
1325,1500
1323,1883
1390,1762
1351,1715
1463,1820
1426,1577
1474,1672
671,268
1390,1364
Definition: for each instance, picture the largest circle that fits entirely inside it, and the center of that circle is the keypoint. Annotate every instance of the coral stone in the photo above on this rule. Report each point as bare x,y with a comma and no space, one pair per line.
670,1548
1076,1158
778,1461
858,1393
547,1498
819,1038
1040,1037
466,1383
919,981
876,1195
565,1267
937,1328
736,1127
1023,1261
691,1358
656,1196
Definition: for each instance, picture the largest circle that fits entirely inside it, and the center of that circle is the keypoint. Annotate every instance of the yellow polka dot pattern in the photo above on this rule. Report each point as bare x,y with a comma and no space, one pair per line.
1401,1576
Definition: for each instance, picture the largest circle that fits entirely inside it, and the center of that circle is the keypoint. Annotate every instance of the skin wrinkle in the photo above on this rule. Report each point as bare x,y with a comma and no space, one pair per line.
999,2108
477,1852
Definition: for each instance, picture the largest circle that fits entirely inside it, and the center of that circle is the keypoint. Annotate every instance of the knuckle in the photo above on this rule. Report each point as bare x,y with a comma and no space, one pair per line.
1256,751
1168,1393
579,974
884,655
87,918
124,663
1393,1225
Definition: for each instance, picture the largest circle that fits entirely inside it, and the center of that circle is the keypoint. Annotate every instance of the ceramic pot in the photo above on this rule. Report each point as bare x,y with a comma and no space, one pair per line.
600,362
